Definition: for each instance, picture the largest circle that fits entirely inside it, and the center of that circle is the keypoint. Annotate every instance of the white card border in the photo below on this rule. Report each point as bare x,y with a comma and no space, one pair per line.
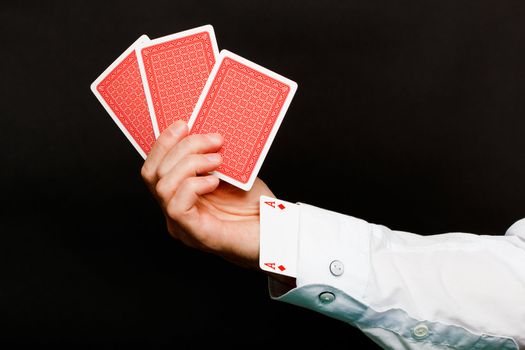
93,86
293,88
266,249
206,28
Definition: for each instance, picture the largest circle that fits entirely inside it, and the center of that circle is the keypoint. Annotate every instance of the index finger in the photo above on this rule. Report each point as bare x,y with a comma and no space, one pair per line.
166,141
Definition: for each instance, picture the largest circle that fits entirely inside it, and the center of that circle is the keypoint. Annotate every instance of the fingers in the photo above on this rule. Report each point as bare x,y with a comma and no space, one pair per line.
187,194
189,145
166,141
190,166
172,171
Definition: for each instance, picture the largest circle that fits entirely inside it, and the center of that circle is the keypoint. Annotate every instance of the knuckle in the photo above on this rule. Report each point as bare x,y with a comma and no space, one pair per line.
146,173
163,141
174,211
162,189
193,142
187,144
190,161
161,171
167,134
190,184
186,159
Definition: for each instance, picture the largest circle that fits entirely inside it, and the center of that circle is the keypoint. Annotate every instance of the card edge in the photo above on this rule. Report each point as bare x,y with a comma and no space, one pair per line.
102,101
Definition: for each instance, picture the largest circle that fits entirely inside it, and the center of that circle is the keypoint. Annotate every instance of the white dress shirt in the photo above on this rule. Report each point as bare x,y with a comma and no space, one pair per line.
406,291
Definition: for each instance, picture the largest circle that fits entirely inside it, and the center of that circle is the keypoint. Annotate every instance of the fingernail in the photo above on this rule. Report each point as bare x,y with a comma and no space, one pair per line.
215,138
178,127
214,157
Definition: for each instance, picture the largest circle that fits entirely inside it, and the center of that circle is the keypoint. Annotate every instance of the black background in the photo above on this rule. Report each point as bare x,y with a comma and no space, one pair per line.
408,113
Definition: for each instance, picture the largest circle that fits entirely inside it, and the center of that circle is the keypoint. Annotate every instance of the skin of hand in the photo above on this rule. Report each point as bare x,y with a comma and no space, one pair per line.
202,211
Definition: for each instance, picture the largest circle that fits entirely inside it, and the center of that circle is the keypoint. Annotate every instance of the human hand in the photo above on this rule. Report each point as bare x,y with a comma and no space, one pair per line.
200,210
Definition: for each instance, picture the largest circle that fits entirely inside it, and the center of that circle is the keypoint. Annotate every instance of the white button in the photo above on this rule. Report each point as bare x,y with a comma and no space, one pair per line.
420,331
326,297
337,268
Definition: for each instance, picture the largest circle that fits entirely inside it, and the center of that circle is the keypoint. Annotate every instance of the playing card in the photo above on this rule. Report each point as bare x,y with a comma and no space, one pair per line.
246,104
174,70
120,90
279,231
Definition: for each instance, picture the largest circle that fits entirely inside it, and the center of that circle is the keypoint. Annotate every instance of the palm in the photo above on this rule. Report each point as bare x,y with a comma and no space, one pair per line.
228,219
231,204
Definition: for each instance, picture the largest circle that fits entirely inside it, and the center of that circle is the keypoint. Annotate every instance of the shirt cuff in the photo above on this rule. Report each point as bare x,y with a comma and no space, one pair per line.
333,250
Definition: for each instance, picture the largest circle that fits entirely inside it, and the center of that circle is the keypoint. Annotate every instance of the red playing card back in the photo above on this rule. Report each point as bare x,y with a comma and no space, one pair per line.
123,92
242,104
176,71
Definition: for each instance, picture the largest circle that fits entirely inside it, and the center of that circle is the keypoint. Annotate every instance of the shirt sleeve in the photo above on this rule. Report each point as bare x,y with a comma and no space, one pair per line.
406,291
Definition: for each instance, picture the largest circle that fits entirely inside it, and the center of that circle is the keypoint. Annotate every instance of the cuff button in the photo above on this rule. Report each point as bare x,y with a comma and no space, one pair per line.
420,332
326,297
337,268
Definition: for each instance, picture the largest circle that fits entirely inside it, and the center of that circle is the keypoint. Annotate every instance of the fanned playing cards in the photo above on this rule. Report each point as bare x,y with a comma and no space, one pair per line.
183,77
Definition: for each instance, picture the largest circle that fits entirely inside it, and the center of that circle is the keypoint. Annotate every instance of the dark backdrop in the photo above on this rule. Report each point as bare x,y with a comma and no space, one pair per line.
408,114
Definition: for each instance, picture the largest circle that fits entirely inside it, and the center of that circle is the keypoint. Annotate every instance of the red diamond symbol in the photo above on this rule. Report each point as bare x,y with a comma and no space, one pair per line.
281,267
281,206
